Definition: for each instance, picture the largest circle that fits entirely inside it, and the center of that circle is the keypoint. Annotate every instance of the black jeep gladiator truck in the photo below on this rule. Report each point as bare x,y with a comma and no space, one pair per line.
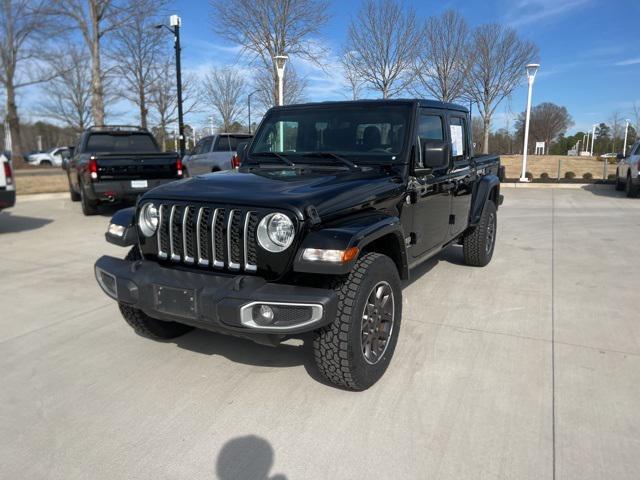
332,206
117,163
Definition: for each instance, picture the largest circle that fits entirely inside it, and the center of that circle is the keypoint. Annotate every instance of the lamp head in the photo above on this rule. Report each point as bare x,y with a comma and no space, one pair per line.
532,69
175,21
281,60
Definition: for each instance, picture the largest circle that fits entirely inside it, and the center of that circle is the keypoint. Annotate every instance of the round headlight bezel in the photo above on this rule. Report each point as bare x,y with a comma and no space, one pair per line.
267,237
147,220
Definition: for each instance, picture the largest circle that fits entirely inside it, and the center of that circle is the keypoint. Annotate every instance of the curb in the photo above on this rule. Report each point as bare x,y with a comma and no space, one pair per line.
33,197
597,186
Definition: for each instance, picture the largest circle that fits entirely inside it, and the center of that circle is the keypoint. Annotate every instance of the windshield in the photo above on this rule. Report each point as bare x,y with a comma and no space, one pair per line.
365,132
121,143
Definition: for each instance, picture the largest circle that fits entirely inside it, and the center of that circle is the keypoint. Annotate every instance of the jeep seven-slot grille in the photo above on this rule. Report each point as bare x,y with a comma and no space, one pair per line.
208,236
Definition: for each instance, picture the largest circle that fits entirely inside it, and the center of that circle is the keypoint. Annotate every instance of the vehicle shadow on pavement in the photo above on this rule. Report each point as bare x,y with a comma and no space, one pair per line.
249,457
604,190
452,254
10,223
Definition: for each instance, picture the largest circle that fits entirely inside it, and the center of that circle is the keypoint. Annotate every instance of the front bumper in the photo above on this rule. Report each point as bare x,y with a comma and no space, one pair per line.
214,301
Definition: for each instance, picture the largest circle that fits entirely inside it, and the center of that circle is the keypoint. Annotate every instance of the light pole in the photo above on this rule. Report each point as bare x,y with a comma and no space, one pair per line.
211,125
281,60
175,22
626,132
593,138
531,70
249,107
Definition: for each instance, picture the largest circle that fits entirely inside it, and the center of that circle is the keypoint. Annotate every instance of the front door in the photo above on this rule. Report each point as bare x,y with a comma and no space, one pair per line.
430,193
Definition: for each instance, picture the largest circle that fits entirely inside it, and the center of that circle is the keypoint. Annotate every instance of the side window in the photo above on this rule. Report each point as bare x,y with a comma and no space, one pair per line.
206,145
458,126
222,144
431,129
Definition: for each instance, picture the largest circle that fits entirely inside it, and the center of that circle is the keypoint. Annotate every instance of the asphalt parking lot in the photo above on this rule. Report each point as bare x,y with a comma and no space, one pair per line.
528,368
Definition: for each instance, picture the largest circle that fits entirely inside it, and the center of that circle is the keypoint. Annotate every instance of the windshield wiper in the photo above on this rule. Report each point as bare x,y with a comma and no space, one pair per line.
348,163
279,156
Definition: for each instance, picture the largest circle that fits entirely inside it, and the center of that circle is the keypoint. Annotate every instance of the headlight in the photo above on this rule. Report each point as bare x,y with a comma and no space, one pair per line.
148,219
275,232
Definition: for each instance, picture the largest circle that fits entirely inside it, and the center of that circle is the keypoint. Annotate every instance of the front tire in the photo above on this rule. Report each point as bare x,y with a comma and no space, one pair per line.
143,324
355,349
479,243
631,189
619,184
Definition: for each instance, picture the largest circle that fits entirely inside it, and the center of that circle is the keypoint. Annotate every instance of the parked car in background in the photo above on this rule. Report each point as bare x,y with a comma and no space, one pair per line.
49,158
628,171
117,163
214,153
609,155
7,185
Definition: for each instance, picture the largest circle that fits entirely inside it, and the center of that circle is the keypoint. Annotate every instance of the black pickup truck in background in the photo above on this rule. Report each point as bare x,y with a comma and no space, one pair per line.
117,164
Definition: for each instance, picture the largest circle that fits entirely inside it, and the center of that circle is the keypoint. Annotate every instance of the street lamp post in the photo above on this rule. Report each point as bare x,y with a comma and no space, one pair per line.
531,70
175,22
249,107
593,138
626,132
211,125
281,60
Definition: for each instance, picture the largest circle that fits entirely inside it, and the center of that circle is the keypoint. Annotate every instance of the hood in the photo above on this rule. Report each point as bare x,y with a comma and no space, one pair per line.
284,189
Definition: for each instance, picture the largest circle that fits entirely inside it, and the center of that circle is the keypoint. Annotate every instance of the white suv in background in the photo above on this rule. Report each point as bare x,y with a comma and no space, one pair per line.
214,153
7,186
628,170
52,157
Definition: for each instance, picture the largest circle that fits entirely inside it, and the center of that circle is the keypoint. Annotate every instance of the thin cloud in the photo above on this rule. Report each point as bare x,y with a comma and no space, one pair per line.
530,11
626,63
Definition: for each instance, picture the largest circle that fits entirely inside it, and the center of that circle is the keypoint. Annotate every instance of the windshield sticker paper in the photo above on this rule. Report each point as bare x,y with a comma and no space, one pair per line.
456,140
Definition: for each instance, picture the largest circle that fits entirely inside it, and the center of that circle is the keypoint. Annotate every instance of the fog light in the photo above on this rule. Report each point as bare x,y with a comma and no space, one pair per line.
263,314
107,282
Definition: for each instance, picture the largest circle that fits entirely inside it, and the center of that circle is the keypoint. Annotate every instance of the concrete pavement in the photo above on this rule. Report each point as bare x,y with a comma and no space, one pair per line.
527,368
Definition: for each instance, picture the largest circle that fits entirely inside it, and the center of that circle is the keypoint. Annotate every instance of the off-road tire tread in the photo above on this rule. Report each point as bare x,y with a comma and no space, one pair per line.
473,243
331,344
143,324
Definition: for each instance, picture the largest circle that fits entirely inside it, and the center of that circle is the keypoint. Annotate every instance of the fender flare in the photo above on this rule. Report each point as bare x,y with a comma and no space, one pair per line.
483,191
356,232
124,218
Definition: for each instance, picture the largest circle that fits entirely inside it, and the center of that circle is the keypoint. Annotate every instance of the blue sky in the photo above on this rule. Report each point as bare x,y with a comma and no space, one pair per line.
589,50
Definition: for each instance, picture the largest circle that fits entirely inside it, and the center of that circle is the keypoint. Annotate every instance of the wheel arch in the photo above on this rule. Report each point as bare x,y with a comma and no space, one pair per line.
488,189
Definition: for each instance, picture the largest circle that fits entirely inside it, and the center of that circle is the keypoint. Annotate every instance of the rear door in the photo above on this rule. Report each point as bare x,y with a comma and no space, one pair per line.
461,175
431,192
198,161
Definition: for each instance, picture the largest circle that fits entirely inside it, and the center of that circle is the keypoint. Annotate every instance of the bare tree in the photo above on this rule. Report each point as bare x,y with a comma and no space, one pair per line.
383,41
498,57
94,19
136,49
267,28
163,99
293,88
68,96
443,61
546,123
21,22
354,81
617,129
223,90
635,109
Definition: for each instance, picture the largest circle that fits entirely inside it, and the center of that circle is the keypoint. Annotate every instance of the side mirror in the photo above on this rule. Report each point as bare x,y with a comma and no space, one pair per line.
435,155
620,156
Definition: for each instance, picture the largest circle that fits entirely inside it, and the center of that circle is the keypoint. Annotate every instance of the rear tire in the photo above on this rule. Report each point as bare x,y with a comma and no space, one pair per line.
89,207
619,184
355,349
143,324
479,242
630,188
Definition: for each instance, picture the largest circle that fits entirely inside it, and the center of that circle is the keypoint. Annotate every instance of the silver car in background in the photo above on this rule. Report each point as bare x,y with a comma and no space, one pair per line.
213,153
628,171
